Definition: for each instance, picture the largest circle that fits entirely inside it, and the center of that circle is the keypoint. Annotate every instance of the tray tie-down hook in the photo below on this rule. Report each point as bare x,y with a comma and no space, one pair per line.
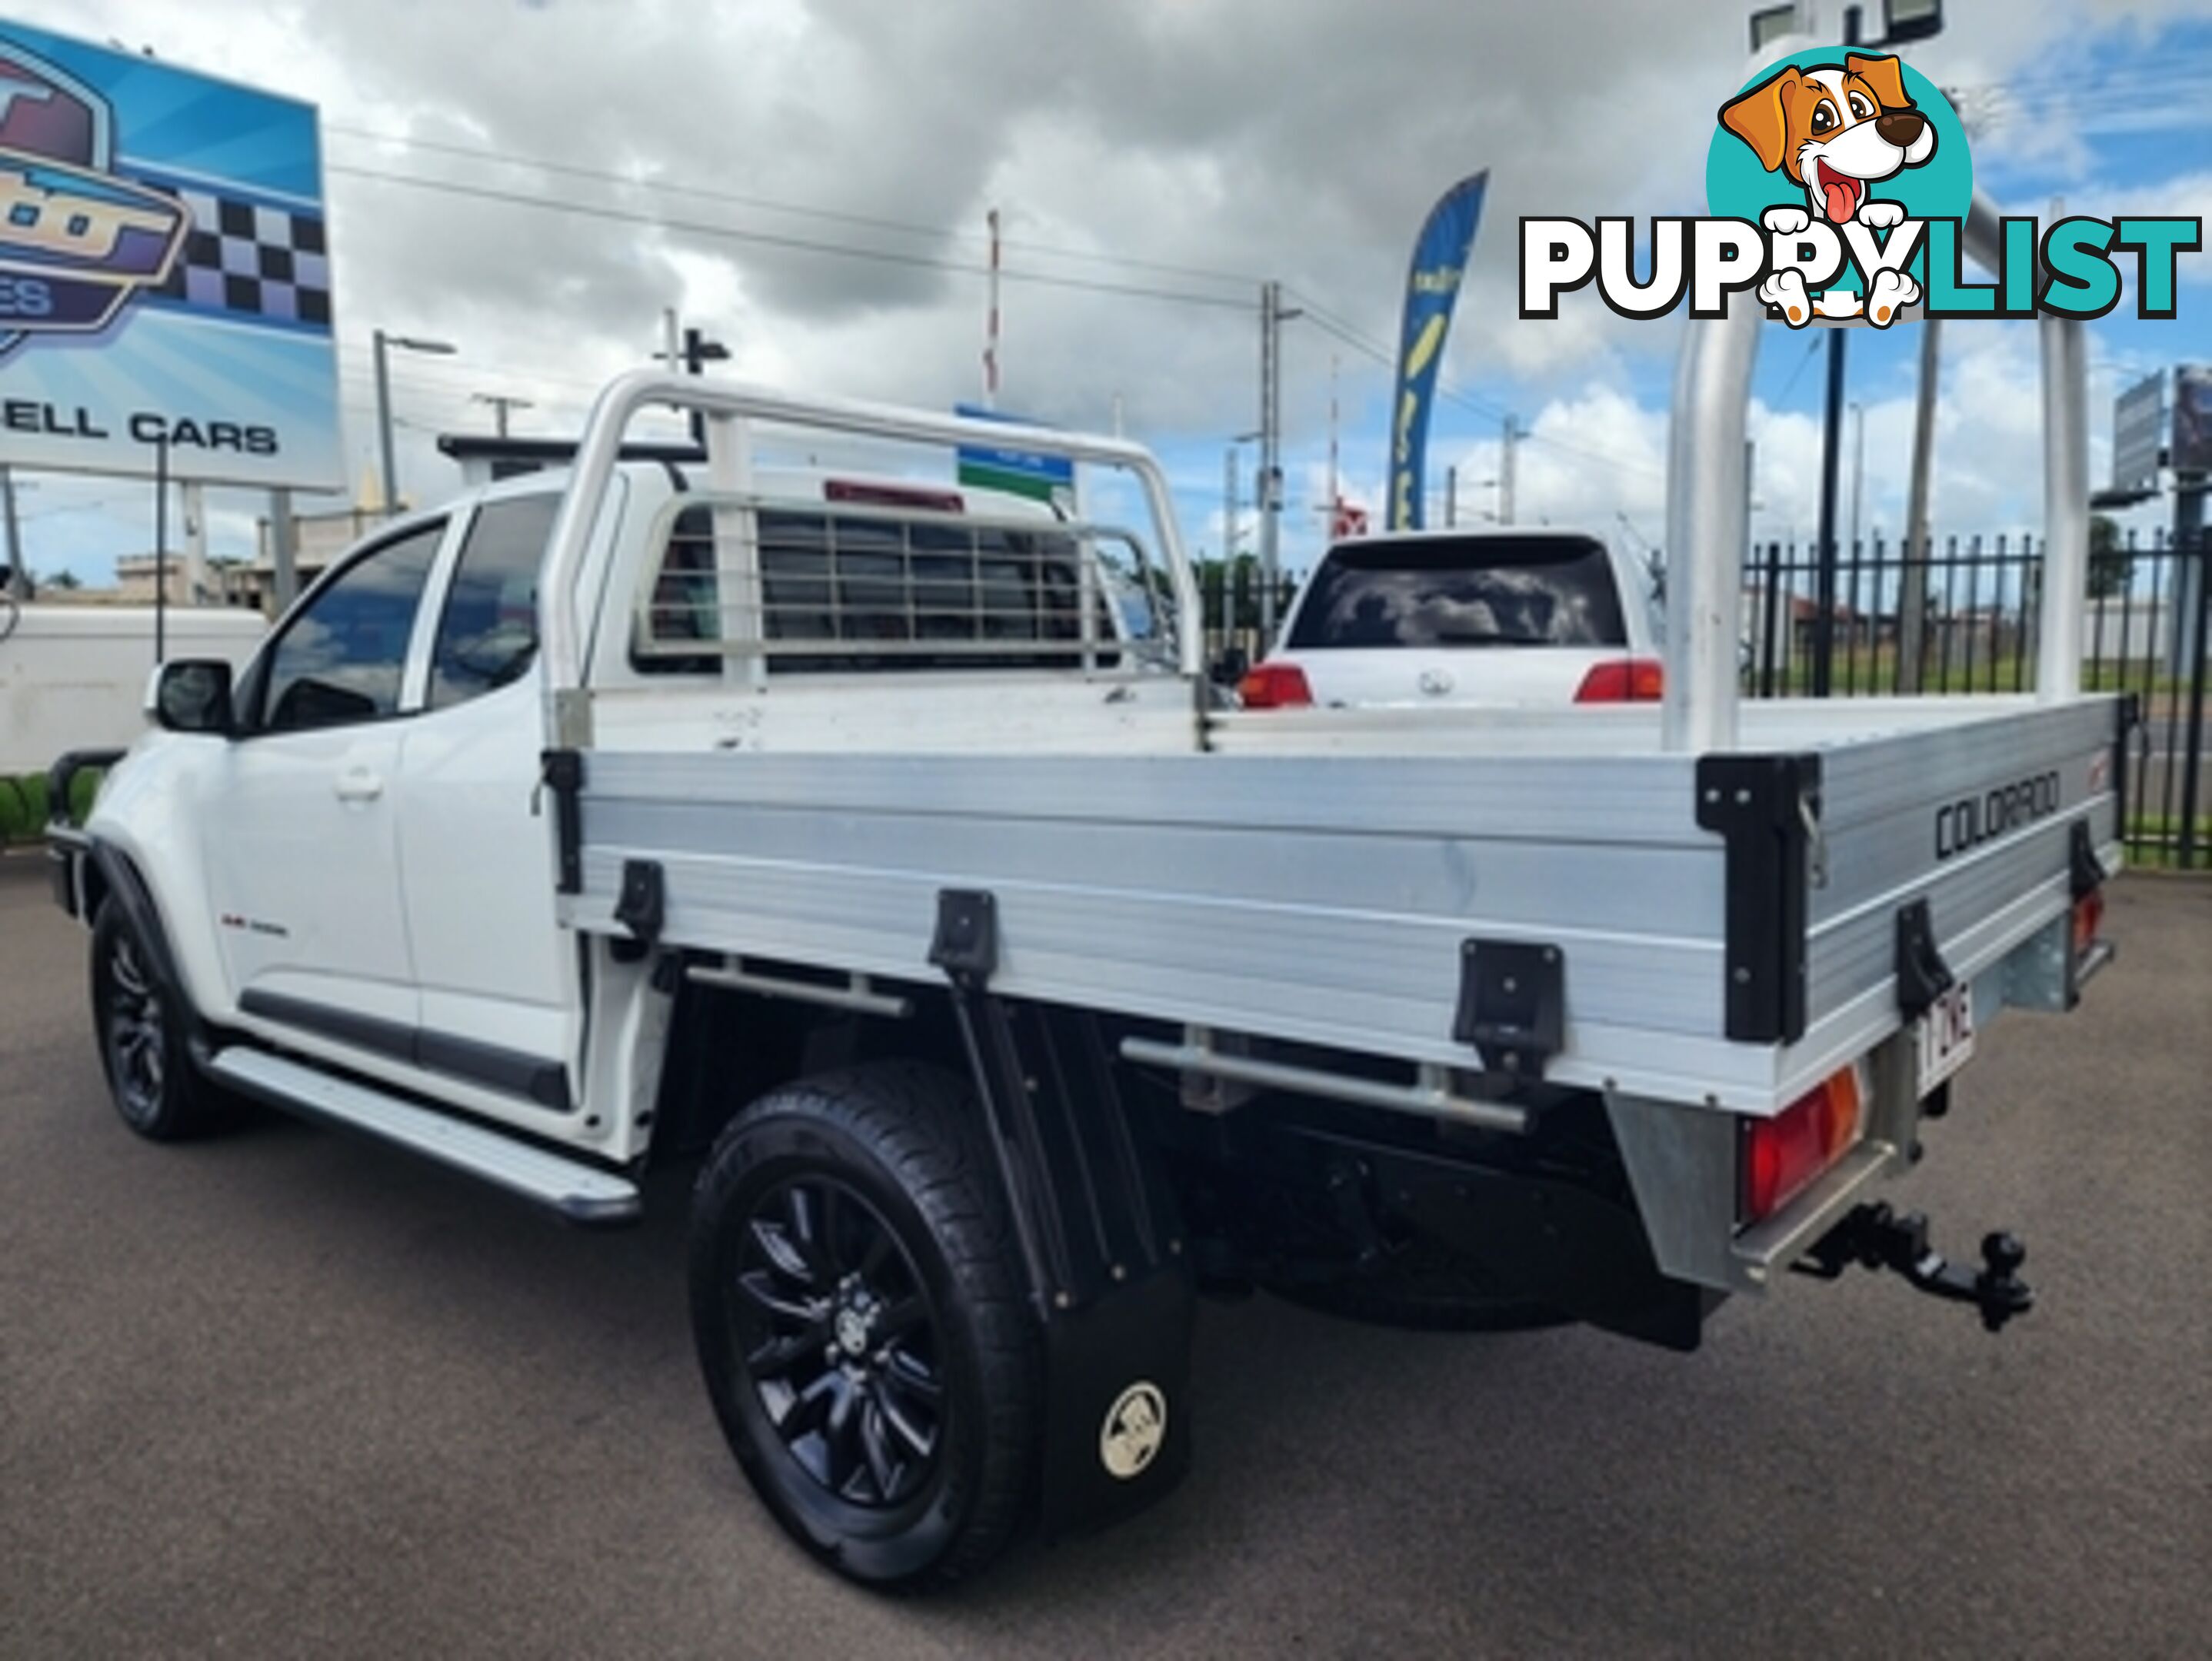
1876,1237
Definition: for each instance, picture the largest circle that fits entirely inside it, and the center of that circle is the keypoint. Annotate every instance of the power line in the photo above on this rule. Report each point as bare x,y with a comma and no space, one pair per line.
797,245
1352,338
829,215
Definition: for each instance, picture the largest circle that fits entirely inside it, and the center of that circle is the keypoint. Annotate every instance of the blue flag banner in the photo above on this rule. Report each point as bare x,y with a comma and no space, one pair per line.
1431,287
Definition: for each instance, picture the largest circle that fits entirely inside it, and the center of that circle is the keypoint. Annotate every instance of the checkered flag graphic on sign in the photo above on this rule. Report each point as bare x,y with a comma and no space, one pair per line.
252,261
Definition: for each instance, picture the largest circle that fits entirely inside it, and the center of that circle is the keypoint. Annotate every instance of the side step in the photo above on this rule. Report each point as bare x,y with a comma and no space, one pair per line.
581,1193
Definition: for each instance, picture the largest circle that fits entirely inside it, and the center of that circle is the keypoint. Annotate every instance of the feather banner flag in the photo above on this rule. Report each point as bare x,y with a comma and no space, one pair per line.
1432,286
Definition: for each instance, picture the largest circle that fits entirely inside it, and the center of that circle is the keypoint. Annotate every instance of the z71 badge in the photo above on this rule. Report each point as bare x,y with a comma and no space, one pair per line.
76,241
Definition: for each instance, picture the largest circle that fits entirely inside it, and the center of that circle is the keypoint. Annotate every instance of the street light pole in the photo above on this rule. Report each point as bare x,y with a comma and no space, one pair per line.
501,403
383,429
1273,315
384,343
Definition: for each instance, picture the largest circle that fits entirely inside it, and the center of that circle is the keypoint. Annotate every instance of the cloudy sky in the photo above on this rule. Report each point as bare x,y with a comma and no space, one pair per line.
536,179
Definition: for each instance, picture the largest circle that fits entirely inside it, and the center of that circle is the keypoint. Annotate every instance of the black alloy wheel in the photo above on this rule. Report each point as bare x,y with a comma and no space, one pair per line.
138,1034
141,1022
865,1325
839,1336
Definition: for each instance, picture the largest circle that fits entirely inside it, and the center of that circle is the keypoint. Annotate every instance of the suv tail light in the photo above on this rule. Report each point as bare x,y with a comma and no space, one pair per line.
1275,686
1624,681
1782,1155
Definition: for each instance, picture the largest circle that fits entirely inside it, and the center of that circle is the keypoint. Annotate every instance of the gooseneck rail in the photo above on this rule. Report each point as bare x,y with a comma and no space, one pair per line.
1706,507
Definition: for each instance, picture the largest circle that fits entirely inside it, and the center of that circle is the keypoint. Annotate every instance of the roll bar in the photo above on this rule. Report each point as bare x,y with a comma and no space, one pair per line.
1706,506
727,404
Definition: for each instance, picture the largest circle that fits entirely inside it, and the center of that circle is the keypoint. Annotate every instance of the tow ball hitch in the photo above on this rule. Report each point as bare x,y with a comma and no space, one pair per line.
1875,1237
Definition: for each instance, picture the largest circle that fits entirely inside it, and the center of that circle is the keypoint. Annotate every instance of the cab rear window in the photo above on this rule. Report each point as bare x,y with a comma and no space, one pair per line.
1462,592
881,593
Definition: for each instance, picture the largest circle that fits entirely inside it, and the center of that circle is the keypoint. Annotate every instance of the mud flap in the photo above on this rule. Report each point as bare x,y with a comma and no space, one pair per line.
1099,1233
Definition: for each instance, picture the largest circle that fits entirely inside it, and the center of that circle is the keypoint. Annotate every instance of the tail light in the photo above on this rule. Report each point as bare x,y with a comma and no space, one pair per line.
1275,686
1623,681
1782,1155
2088,918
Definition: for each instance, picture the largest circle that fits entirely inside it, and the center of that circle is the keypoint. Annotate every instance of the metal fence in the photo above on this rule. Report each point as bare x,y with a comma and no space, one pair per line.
1232,597
1965,619
1962,619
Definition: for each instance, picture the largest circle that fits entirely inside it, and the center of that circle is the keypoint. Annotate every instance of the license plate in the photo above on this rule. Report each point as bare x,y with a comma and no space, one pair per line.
1947,1036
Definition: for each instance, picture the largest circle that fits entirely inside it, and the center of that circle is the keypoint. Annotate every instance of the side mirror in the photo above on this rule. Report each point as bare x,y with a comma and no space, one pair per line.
192,695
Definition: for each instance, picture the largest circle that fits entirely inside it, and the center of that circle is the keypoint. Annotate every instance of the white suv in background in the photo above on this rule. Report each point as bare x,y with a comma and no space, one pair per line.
1502,616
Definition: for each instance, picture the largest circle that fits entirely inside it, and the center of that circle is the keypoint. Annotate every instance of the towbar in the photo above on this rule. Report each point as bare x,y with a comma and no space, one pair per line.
1875,1237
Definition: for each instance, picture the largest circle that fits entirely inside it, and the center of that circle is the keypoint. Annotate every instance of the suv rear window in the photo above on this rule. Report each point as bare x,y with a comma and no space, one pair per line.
1462,592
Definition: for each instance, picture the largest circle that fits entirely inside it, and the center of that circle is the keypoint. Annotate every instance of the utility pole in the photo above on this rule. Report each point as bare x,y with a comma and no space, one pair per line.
1912,603
1272,316
501,403
991,321
694,352
1858,472
1451,496
283,553
19,580
1824,616
1823,602
162,548
1512,434
192,498
1229,486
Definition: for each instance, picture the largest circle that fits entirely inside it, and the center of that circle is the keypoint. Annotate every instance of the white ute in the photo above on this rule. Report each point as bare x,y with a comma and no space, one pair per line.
845,835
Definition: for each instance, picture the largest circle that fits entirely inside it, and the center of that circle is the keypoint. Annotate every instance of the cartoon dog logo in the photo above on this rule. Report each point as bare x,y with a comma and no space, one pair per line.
1835,132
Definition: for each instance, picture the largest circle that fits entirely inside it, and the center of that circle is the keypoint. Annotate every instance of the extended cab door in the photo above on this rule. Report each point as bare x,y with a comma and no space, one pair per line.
304,873
497,977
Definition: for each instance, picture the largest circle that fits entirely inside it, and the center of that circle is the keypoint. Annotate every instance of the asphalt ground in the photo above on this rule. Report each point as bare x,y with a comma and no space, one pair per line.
288,1393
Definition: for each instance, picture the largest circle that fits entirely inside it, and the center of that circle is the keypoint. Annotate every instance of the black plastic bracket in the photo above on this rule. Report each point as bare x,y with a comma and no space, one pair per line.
2085,871
1512,1003
642,906
1875,1237
562,771
1922,976
2129,717
966,943
1767,808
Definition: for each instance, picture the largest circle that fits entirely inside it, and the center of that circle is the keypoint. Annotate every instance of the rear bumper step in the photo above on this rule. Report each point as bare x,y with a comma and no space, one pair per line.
581,1193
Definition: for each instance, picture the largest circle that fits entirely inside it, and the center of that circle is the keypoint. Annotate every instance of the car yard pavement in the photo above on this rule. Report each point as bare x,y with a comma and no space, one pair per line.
287,1393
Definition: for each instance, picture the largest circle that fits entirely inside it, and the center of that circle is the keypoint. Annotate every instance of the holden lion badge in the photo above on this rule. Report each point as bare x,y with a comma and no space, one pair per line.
1135,1426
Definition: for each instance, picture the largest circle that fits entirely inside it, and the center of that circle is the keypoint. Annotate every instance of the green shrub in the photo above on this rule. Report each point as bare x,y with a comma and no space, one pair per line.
23,811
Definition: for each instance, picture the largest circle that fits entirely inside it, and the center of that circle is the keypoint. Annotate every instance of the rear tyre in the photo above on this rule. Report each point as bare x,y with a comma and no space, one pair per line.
862,1319
142,1023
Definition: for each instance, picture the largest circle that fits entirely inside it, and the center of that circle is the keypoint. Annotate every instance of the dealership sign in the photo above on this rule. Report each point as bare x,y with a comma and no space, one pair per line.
165,290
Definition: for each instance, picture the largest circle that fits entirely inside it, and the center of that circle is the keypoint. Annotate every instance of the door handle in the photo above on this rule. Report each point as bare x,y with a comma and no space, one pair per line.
359,785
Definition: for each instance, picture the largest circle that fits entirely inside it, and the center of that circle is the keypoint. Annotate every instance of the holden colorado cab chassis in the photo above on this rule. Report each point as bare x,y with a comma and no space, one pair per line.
1017,990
